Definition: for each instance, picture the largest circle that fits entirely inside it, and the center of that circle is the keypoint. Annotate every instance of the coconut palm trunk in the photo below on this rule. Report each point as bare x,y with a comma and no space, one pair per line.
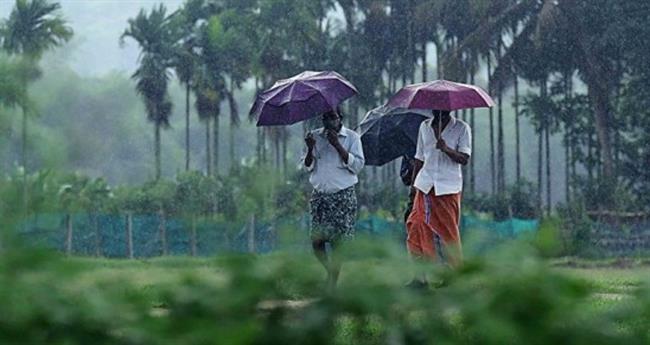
187,127
157,149
517,143
208,150
491,111
215,146
548,167
424,61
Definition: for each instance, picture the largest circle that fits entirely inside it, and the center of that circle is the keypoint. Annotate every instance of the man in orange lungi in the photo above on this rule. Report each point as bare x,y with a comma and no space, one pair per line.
432,226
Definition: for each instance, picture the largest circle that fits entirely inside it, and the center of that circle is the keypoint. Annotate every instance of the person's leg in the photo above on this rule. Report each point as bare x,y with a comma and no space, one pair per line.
345,221
445,220
328,261
318,230
419,232
428,255
335,265
320,252
453,253
420,237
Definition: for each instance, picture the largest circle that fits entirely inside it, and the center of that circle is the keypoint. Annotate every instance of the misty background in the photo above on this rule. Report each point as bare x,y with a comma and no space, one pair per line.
89,118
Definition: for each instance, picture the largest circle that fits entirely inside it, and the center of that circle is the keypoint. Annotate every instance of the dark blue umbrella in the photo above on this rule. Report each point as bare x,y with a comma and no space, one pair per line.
387,134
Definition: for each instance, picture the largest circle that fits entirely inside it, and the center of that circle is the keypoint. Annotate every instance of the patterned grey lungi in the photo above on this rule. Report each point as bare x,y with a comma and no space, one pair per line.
333,215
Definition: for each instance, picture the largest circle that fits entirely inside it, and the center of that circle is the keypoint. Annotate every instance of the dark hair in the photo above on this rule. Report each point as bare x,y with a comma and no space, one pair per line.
336,111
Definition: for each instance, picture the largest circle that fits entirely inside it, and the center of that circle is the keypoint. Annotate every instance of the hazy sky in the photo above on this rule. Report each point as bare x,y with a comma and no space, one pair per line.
97,25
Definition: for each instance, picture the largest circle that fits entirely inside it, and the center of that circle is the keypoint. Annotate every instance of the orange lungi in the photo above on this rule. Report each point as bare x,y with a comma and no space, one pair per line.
432,227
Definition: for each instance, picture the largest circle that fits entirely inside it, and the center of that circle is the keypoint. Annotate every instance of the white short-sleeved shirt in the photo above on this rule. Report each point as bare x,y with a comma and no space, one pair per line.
439,171
329,173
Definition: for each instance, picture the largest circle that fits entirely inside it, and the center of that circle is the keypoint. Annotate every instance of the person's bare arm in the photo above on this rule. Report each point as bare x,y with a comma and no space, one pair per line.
311,142
417,166
458,157
333,139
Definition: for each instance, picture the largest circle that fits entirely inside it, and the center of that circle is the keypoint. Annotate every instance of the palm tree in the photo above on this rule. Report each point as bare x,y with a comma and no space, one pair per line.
234,120
595,51
155,37
285,42
403,43
224,55
493,45
235,46
213,60
152,79
515,80
206,99
185,58
33,27
427,18
546,121
517,128
491,111
14,76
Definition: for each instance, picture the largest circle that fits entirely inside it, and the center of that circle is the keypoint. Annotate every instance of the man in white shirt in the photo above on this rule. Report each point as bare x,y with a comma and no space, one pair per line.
432,226
334,158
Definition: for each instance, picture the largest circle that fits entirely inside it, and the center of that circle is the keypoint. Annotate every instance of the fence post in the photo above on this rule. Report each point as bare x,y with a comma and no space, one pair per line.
98,237
251,235
68,237
129,235
163,232
193,236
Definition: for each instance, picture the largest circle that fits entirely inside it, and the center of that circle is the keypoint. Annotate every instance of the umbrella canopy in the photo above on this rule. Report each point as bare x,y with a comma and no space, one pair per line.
301,97
441,95
388,133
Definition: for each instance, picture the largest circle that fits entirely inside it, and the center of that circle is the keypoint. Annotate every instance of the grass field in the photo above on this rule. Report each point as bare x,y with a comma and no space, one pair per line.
279,299
610,280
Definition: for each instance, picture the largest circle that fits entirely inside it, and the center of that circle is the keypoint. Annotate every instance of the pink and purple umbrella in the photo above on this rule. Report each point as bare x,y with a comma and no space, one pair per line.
441,95
301,97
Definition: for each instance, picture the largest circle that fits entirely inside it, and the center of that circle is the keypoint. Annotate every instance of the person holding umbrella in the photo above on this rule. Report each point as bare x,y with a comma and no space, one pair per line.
334,159
334,155
443,147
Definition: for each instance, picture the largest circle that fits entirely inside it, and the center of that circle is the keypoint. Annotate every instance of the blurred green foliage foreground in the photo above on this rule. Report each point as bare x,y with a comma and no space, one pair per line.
510,296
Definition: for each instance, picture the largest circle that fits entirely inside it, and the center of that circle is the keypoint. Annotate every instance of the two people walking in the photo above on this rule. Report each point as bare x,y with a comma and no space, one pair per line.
335,157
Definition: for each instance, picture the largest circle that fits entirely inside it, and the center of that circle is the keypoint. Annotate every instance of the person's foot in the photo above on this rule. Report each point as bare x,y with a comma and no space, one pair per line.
328,285
417,284
440,284
331,285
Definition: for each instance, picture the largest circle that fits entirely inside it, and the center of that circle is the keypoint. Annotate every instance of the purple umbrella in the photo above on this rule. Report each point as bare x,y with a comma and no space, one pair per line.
441,95
301,97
